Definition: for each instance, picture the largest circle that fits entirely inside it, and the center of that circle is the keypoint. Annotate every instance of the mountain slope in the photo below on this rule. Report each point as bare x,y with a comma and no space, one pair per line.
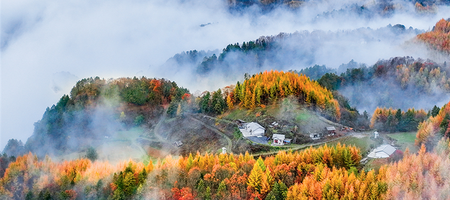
97,108
439,37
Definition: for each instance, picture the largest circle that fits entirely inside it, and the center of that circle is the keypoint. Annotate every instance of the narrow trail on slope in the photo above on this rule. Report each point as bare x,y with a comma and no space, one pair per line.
214,129
156,131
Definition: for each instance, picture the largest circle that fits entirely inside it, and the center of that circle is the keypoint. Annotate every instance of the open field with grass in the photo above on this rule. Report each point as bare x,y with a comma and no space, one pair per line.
362,141
404,140
122,145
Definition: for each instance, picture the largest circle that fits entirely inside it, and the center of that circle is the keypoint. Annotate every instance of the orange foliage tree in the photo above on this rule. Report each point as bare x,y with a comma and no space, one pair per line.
439,37
324,171
431,130
267,87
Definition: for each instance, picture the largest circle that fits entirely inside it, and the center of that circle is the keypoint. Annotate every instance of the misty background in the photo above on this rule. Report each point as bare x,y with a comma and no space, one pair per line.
47,46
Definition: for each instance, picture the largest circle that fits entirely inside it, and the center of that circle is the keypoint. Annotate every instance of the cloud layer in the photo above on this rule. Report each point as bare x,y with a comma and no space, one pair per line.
47,45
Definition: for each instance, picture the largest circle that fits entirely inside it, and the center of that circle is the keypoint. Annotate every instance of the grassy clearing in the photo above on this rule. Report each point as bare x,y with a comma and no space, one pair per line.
122,146
302,115
363,143
405,140
248,115
131,134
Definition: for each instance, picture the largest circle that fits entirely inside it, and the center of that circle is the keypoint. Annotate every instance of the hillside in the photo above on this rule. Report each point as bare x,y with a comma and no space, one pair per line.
434,128
98,109
147,116
268,87
400,82
439,37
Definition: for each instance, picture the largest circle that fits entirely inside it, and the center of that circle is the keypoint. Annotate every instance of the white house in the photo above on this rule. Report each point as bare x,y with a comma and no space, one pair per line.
383,151
254,129
278,139
314,136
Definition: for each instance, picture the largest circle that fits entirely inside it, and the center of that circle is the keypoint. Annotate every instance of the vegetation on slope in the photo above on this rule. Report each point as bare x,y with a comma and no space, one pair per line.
439,37
434,128
400,82
267,88
223,176
96,108
324,172
391,120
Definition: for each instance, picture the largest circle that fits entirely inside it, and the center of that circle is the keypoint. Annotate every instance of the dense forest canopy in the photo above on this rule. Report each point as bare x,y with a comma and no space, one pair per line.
325,172
203,176
268,87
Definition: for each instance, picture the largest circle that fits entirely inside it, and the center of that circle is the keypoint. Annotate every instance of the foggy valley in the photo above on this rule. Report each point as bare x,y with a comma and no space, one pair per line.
225,99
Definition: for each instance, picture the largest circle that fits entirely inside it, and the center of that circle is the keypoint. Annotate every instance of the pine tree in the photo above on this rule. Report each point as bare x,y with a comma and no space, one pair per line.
207,195
255,178
221,190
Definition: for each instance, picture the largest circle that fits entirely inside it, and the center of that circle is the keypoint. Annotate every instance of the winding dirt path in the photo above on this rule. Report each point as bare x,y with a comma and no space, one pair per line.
214,129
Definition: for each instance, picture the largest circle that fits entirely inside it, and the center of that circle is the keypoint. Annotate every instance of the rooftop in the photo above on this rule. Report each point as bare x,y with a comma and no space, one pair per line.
383,151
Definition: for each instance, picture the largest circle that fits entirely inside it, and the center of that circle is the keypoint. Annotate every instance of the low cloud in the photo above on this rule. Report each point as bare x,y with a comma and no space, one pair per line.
134,38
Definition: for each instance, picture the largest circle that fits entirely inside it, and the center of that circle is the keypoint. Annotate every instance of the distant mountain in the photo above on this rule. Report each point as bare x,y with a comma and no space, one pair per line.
366,9
290,51
401,82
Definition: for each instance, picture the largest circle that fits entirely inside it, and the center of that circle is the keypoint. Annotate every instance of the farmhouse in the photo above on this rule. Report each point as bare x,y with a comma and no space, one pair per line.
278,139
178,143
252,129
314,136
331,130
383,151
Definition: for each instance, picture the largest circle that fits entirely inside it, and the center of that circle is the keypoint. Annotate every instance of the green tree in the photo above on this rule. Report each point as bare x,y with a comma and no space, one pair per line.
91,154
389,125
398,117
172,109
221,191
435,111
205,103
444,124
139,120
218,102
330,81
207,195
278,192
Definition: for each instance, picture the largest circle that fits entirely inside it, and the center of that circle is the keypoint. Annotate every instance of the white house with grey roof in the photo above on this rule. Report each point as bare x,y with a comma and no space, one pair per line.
252,129
383,151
